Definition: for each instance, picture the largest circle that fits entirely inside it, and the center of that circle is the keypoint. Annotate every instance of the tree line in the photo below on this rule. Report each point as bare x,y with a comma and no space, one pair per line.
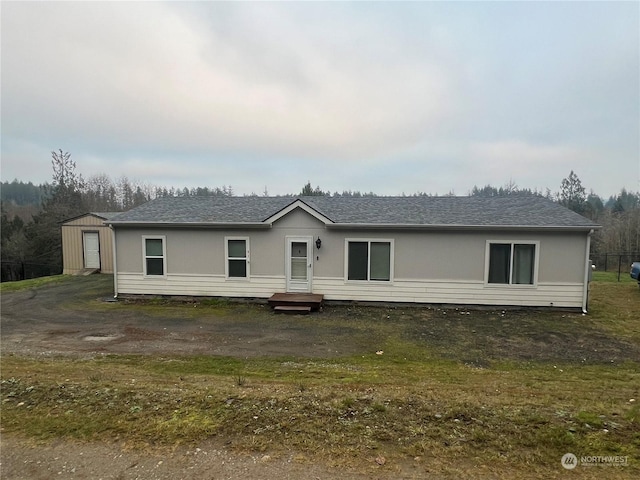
619,215
31,215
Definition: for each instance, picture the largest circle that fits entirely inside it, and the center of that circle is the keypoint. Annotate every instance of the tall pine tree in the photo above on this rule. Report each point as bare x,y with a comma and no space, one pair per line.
43,235
572,194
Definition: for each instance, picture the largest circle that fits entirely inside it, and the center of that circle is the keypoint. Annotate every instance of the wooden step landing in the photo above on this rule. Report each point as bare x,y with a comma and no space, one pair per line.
292,309
311,300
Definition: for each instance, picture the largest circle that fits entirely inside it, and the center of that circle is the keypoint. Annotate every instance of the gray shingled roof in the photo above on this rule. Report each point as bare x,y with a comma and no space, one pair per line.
527,211
106,215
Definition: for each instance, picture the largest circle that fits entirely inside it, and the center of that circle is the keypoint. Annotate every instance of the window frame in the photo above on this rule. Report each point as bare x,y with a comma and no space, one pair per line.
512,244
247,259
145,256
369,241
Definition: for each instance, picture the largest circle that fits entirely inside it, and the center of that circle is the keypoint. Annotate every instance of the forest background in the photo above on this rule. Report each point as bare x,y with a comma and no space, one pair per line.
31,214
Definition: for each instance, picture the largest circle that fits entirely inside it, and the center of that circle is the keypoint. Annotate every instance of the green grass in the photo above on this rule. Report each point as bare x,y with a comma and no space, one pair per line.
514,415
32,283
614,309
600,276
459,401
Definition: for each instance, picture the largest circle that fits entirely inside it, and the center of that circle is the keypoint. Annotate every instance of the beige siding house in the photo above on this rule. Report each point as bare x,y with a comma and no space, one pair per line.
522,251
87,243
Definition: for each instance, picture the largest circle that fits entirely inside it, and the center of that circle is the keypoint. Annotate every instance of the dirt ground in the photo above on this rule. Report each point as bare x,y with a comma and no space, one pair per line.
54,320
77,318
21,460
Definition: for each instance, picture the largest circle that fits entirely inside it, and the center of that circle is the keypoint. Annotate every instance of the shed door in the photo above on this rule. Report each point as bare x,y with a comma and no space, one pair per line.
91,242
299,264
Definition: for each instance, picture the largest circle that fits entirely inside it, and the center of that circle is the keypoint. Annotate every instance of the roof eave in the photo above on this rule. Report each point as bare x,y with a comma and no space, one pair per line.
298,203
87,214
359,226
221,225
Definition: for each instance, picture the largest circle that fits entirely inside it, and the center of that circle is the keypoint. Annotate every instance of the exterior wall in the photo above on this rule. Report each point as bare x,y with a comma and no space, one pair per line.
72,244
429,267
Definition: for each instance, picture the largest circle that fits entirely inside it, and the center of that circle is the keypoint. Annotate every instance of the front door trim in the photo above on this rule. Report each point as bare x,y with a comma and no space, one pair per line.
90,258
298,285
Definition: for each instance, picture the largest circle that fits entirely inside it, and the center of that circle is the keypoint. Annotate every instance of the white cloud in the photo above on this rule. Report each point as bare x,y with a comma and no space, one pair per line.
140,73
388,97
502,155
528,165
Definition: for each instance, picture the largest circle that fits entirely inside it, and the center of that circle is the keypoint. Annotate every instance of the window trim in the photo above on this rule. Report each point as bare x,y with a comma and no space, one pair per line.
145,256
370,240
247,259
512,243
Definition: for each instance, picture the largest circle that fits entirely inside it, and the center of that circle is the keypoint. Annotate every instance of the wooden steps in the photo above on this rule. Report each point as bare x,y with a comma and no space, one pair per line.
292,309
296,303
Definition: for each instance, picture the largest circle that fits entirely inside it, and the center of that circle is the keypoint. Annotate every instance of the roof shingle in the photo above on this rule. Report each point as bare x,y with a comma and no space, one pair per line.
525,211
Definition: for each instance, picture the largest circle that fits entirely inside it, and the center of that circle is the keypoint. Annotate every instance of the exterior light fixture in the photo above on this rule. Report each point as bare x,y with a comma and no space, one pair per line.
318,243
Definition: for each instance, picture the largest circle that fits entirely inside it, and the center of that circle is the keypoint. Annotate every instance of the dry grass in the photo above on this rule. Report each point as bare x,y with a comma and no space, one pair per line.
504,414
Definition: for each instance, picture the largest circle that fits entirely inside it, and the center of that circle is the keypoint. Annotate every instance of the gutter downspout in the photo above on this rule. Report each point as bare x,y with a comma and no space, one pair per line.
115,263
587,271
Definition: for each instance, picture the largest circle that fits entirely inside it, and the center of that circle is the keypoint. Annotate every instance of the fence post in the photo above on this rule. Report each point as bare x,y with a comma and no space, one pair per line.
619,265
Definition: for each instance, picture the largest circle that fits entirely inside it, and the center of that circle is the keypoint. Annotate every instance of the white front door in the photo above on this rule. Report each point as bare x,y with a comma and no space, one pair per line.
91,244
299,264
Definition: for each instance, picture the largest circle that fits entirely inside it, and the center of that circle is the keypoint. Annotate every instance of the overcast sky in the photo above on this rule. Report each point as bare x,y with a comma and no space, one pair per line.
385,97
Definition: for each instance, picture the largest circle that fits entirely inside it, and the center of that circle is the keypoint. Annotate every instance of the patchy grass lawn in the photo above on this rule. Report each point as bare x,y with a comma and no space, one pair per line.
495,394
32,283
601,276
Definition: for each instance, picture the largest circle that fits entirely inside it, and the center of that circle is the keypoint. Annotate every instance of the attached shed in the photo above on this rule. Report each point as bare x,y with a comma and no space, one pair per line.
87,243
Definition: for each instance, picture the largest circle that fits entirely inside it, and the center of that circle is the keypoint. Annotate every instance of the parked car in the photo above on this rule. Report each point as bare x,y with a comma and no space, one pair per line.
635,271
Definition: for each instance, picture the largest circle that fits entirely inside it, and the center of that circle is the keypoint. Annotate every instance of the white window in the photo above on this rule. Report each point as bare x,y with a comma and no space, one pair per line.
369,260
511,263
154,250
237,257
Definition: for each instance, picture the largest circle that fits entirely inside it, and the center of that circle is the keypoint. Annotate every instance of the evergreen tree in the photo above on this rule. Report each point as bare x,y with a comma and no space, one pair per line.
593,206
43,235
20,193
572,194
309,191
12,247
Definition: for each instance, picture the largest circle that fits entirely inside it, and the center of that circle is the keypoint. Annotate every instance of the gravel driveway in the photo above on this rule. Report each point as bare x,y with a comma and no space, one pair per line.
78,317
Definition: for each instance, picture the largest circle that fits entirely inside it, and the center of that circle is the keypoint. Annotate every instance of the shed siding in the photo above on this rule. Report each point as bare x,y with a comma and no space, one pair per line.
86,220
72,244
429,267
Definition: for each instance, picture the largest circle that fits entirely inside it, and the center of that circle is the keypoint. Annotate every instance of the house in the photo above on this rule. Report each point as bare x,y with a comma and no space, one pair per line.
503,251
87,243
